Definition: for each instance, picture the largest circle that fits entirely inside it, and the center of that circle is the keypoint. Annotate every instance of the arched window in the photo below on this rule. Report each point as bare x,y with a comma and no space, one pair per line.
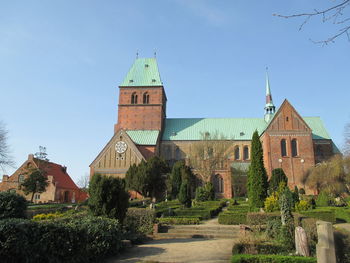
294,147
237,153
246,153
283,147
21,178
145,98
134,98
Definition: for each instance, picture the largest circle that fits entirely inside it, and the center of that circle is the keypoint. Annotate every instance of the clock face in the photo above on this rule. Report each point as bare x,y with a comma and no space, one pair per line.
121,147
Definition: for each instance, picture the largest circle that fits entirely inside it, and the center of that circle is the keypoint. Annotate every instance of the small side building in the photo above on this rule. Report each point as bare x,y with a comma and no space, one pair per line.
61,188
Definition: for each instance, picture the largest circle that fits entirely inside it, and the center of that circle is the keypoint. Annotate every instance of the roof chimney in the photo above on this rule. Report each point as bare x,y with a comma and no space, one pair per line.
64,169
30,157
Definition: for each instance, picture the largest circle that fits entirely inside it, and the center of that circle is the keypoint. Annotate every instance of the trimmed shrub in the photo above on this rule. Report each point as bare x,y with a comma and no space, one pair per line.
139,220
271,259
232,218
179,220
201,213
325,215
260,219
12,205
49,216
342,246
185,194
258,248
273,228
86,239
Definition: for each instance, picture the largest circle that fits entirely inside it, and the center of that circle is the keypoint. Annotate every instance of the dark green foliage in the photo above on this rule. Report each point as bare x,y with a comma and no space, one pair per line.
302,191
185,194
232,218
193,220
258,248
273,228
12,205
277,177
271,259
108,197
324,199
342,246
138,223
205,193
286,205
175,178
36,182
85,239
295,195
147,178
257,178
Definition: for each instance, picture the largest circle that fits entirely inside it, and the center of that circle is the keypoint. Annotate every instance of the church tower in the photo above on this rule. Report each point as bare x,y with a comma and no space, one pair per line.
269,106
142,99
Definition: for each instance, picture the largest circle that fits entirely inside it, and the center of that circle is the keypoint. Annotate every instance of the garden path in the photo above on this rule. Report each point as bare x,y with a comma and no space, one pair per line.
180,250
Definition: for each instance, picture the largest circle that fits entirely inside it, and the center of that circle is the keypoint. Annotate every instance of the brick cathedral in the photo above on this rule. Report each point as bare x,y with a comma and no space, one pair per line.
290,141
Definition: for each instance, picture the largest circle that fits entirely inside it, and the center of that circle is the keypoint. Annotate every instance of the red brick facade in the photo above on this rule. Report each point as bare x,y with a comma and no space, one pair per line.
140,114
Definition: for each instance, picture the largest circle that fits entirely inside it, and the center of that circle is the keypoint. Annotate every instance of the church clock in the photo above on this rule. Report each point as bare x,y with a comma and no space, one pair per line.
121,147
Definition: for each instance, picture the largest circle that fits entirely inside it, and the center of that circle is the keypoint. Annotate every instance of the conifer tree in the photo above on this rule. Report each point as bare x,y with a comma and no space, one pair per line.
257,178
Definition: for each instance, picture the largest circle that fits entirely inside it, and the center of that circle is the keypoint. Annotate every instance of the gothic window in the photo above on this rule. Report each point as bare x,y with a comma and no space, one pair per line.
283,147
134,98
246,153
237,153
145,98
294,147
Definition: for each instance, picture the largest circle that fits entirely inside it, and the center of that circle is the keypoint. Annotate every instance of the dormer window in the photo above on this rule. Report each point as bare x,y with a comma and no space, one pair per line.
153,80
131,80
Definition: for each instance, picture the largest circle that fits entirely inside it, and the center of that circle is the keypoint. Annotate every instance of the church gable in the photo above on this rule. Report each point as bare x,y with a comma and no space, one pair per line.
287,119
117,156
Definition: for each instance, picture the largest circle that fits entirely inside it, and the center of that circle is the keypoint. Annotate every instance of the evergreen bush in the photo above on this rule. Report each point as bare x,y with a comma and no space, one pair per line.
257,177
12,205
108,197
185,194
277,177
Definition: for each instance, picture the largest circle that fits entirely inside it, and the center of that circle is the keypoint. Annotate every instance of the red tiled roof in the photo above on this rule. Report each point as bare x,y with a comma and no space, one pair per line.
59,173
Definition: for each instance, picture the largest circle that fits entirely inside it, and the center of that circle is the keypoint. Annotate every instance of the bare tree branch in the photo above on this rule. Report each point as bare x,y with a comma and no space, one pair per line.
334,13
5,157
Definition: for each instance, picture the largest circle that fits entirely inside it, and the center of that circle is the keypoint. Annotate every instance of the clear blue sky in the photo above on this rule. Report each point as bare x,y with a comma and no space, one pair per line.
62,61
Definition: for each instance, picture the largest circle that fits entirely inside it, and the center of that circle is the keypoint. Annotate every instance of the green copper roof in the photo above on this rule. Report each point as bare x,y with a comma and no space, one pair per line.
190,129
144,137
230,128
144,72
319,132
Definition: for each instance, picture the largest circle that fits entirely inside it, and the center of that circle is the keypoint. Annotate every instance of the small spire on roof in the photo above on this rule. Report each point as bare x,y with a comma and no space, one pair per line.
155,53
137,54
269,106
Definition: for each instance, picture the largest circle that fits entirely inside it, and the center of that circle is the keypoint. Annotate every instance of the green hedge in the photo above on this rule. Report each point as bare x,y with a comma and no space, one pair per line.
258,248
232,218
203,214
179,220
261,218
271,259
85,239
321,214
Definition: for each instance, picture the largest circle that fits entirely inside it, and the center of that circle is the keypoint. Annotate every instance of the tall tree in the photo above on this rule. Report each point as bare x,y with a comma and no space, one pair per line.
36,182
209,154
175,178
108,197
5,157
147,178
347,139
41,155
257,178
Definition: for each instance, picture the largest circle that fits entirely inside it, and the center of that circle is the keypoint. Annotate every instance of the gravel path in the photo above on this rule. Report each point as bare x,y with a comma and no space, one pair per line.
179,250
